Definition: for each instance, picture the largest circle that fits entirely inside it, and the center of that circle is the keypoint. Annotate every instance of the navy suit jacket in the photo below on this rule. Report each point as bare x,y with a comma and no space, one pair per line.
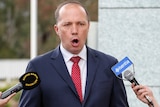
56,89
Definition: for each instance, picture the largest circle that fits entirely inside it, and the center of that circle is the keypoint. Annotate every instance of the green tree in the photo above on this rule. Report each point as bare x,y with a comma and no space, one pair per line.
14,29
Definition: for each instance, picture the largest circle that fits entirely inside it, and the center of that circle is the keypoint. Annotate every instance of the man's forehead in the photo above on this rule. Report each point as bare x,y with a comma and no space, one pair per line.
71,6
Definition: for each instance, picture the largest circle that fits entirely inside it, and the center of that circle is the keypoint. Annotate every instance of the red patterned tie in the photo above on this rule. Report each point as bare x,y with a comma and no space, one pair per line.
76,77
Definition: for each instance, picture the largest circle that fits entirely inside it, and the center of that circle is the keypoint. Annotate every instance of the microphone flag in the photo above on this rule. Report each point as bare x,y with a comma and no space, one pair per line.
121,66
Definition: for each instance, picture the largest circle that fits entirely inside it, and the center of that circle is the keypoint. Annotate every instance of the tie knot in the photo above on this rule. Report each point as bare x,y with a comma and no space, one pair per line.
75,59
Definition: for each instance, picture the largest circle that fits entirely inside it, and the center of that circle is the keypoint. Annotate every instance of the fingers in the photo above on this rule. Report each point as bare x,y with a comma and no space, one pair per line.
141,92
136,88
3,102
9,97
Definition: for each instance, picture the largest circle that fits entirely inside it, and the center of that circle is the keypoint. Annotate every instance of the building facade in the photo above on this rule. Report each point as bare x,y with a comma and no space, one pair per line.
132,28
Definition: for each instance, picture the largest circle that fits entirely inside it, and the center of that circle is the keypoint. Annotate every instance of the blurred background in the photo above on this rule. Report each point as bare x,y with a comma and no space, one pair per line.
118,27
15,24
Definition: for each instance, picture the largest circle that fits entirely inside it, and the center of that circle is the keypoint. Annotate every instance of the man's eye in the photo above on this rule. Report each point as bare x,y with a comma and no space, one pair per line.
82,24
67,24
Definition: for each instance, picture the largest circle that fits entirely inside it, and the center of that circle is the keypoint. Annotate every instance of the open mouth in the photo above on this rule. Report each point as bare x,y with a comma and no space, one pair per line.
75,42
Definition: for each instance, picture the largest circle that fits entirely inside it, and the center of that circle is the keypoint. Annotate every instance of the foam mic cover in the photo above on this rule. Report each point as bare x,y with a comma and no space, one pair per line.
27,81
130,77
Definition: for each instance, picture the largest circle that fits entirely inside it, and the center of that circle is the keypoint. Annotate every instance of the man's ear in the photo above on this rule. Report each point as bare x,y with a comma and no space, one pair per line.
55,28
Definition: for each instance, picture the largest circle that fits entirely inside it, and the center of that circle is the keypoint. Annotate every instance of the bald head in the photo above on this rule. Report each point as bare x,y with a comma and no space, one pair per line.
64,4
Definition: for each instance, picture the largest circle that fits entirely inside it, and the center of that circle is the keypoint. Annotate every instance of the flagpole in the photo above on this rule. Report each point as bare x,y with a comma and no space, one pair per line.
33,28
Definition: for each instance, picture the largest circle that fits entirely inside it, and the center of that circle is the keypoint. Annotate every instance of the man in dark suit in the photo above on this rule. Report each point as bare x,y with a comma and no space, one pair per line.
99,87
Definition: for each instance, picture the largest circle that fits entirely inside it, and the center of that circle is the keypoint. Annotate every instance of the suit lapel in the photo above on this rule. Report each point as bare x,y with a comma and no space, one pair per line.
92,65
60,67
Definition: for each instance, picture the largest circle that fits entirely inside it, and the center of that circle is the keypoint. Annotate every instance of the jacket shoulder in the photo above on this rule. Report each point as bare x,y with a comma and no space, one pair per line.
102,55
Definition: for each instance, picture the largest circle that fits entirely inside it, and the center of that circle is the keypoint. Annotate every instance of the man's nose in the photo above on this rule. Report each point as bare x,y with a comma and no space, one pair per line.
74,30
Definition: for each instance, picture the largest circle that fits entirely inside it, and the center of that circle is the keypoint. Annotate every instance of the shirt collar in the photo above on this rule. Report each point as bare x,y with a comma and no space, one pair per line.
67,55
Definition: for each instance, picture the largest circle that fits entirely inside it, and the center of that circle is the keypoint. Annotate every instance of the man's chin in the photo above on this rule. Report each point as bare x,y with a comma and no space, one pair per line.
75,50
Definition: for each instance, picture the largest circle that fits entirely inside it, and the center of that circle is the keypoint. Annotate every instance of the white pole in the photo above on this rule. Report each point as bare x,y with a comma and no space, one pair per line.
33,28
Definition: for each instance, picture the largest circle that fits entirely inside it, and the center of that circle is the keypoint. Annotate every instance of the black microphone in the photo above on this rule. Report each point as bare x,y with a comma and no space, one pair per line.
130,77
27,81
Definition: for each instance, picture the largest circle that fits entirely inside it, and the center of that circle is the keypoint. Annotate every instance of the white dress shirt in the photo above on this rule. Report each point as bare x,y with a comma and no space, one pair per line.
82,64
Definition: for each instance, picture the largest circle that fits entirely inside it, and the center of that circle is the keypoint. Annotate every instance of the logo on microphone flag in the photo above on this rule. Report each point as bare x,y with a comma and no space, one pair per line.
121,66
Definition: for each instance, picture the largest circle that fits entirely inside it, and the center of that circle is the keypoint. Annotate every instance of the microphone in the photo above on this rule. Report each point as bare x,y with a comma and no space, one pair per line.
130,77
27,81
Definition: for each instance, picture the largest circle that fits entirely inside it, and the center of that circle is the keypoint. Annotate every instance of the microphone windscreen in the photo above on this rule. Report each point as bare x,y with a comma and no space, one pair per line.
29,80
128,75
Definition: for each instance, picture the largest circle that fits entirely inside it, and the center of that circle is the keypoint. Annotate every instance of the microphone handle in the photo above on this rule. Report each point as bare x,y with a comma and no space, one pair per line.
12,90
134,81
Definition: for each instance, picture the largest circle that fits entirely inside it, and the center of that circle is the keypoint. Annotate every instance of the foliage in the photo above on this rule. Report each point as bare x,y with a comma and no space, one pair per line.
14,28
